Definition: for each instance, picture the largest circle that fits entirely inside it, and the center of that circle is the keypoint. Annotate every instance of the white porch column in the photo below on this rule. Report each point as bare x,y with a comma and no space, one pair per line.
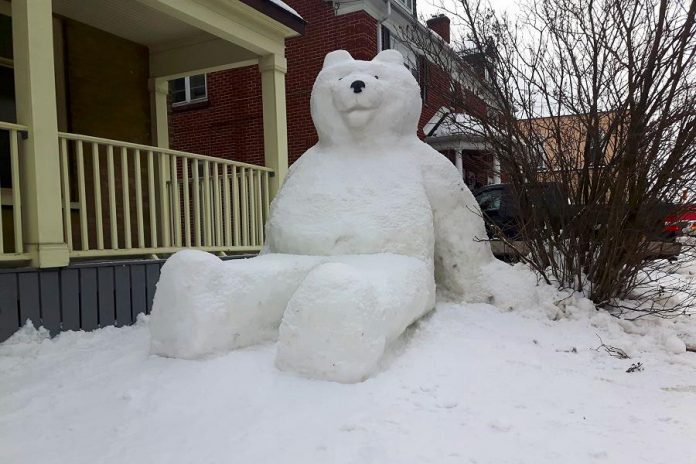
159,114
496,170
159,89
459,163
275,131
32,35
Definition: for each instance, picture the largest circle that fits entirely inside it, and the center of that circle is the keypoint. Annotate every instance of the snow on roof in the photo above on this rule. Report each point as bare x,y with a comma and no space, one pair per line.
445,123
286,7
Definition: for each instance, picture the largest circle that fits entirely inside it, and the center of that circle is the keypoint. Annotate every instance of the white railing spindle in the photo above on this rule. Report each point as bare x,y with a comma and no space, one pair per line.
224,207
112,196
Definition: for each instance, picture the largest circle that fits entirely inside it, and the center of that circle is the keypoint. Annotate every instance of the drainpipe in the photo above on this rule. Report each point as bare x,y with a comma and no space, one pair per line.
379,26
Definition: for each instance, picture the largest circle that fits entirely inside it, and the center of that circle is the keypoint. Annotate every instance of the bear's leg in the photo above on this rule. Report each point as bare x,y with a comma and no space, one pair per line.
347,311
204,305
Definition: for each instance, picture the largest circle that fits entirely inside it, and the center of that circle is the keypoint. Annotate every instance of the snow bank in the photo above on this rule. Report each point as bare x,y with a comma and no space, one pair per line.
471,383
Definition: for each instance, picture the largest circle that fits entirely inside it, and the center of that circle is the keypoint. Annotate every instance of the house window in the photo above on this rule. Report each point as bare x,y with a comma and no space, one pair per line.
189,89
386,38
408,4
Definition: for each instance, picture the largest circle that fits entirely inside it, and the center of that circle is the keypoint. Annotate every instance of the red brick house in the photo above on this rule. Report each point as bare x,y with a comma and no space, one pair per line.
220,114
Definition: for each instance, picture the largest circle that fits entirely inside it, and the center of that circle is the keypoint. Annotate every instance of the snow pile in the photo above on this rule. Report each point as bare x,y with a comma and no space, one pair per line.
365,223
469,383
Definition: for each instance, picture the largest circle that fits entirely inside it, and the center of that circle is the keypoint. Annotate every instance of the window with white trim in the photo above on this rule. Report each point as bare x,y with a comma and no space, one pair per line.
408,4
189,89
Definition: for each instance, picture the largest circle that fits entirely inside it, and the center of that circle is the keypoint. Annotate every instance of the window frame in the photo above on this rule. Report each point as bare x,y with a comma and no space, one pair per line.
405,5
187,91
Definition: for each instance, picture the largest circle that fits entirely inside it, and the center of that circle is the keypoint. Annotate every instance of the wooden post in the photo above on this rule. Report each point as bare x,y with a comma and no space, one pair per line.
275,132
32,35
159,89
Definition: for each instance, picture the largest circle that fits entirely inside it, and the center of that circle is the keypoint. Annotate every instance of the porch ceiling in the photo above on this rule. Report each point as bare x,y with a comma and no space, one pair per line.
129,19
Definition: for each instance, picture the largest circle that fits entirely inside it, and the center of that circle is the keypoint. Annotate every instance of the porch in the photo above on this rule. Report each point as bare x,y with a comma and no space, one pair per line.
461,139
87,169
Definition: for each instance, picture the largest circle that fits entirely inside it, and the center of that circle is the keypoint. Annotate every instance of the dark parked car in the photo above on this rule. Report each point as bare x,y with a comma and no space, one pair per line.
501,209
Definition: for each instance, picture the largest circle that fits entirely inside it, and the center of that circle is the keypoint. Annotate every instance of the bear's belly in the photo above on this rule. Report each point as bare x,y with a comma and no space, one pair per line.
335,207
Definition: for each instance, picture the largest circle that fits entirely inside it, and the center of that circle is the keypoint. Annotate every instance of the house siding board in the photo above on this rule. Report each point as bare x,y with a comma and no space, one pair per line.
70,299
138,291
122,292
81,296
29,302
105,296
49,283
89,314
152,272
9,309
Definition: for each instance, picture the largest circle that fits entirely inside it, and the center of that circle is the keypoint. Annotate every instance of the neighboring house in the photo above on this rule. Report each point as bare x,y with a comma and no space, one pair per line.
87,172
453,130
561,141
219,114
461,138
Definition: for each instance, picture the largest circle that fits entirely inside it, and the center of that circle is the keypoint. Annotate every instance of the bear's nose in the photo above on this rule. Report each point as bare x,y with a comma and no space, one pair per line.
357,86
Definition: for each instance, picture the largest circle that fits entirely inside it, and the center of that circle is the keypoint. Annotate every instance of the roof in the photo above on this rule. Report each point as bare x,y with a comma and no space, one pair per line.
445,123
286,7
457,131
279,11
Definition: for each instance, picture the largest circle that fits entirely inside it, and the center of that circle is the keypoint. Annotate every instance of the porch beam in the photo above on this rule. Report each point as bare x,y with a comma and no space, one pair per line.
275,130
32,34
197,56
232,20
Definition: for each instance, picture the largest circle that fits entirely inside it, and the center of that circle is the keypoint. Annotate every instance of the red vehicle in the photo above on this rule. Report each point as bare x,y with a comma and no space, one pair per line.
683,223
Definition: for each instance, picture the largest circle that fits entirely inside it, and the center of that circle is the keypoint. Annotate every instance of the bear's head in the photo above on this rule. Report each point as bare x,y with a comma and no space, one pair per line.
354,100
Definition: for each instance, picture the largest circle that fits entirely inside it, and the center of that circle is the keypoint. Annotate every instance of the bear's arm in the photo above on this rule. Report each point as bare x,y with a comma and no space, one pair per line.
460,234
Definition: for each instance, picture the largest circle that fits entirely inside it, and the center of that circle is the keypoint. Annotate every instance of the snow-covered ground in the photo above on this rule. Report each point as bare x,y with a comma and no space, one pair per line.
468,384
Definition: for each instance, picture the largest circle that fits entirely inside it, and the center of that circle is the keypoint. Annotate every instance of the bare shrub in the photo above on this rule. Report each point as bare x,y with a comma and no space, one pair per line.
597,97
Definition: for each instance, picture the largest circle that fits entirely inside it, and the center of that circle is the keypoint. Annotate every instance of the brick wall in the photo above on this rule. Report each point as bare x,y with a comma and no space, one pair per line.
230,124
94,62
355,32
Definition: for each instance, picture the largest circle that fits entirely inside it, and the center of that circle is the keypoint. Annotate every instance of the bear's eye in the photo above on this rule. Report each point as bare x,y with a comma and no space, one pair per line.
376,77
340,78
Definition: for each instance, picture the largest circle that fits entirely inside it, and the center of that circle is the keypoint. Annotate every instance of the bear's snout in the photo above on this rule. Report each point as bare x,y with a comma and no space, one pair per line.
357,86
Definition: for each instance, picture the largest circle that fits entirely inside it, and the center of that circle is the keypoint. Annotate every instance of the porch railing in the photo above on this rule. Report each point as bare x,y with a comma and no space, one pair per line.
11,239
124,198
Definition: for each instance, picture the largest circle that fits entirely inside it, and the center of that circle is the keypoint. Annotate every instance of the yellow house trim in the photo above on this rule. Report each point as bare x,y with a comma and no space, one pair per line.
231,20
241,36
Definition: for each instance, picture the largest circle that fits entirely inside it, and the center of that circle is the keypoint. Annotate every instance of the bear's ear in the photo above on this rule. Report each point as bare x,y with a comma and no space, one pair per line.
390,56
336,57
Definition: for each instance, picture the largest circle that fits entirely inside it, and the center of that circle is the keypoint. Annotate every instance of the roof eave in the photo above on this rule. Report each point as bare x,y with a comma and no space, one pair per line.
279,14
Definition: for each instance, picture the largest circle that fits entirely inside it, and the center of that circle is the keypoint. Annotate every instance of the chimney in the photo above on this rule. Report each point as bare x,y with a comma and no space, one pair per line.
440,24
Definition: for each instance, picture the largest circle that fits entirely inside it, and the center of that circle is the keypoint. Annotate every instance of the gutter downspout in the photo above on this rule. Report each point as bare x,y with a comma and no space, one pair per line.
379,26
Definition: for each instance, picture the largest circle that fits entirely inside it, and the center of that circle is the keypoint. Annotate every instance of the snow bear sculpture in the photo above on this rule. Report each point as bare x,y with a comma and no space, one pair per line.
365,223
